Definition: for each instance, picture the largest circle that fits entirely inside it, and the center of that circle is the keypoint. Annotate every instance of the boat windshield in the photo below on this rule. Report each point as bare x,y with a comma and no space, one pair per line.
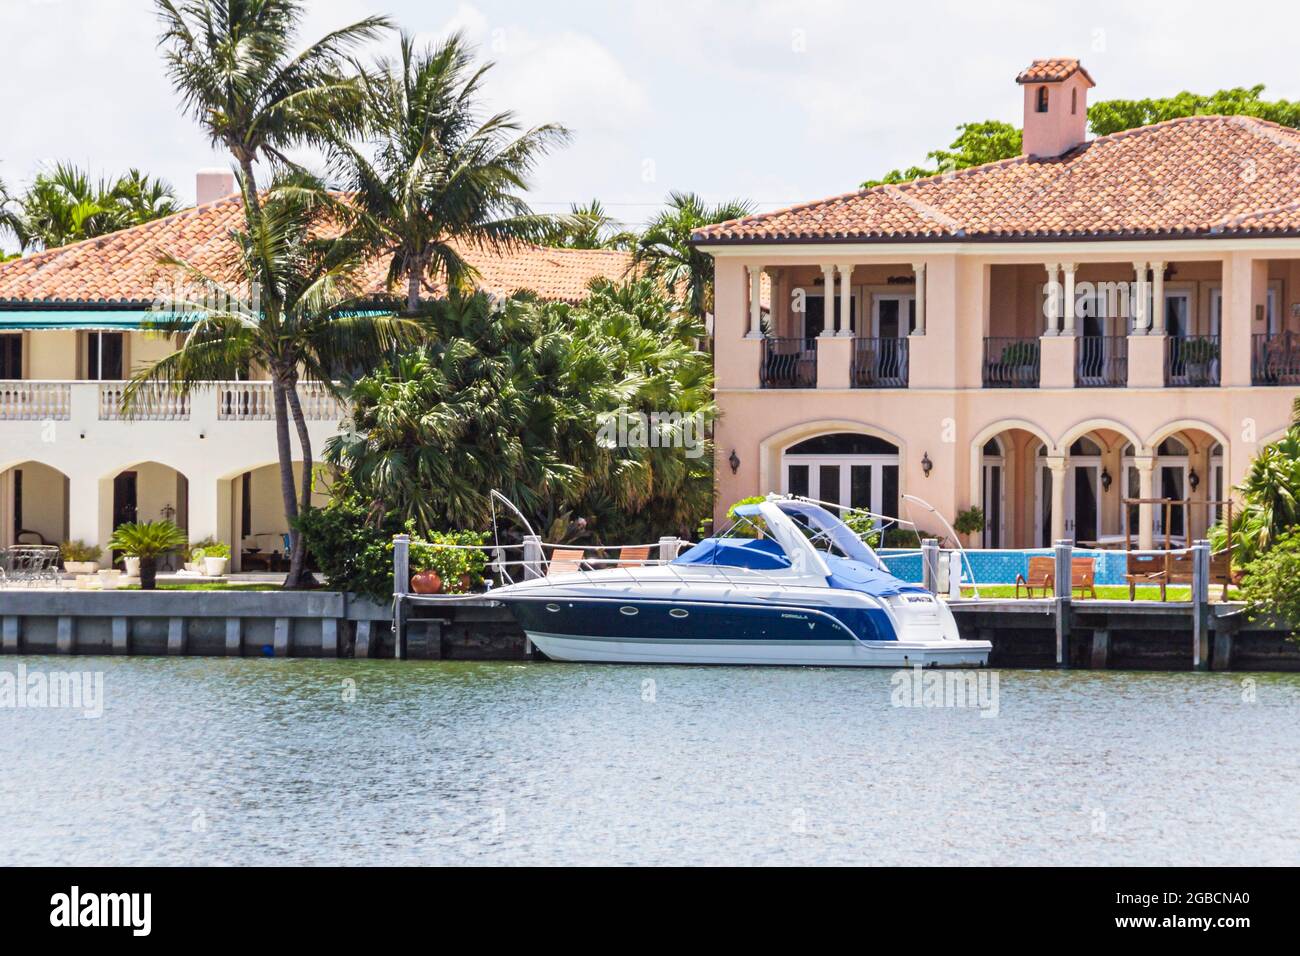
828,533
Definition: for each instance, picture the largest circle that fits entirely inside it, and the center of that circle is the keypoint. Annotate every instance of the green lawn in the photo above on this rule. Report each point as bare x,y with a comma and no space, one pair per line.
1105,592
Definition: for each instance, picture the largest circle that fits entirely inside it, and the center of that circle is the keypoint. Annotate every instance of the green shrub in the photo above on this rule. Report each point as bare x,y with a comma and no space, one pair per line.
970,521
353,552
1269,583
450,563
80,551
211,549
746,528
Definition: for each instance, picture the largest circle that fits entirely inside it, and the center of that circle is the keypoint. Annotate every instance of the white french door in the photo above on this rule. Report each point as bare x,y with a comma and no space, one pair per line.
857,481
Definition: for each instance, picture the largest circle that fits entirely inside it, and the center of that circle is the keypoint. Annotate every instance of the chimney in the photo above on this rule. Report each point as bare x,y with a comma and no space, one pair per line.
1056,106
212,184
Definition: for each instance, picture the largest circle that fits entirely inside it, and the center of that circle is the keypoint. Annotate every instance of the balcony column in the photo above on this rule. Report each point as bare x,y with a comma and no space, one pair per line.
775,303
1057,465
1146,468
919,269
1052,299
1068,304
755,303
89,519
843,326
828,301
1158,298
1140,302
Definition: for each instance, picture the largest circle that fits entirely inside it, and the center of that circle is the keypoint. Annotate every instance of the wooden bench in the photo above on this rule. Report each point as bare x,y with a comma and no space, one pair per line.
1178,569
1145,568
633,557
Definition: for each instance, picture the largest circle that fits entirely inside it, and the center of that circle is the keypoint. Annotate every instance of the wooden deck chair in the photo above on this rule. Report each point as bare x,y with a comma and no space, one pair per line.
1042,575
633,557
1178,567
564,561
1083,573
1221,570
1144,569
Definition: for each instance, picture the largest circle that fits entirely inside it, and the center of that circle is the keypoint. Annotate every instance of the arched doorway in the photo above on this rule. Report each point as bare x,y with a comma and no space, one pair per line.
993,501
260,530
844,468
33,505
142,492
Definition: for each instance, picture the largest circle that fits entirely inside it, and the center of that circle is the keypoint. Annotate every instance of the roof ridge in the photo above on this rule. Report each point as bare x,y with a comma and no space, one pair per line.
926,210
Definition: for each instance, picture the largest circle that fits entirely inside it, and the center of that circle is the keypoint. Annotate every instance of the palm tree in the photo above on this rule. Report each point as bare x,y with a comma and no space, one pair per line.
63,205
287,304
665,251
435,178
233,63
590,227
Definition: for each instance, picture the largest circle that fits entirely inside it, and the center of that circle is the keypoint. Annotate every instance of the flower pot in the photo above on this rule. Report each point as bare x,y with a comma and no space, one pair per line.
214,567
426,582
148,573
464,583
132,566
81,567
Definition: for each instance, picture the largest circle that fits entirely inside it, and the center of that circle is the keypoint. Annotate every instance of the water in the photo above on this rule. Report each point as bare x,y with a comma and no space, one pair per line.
202,761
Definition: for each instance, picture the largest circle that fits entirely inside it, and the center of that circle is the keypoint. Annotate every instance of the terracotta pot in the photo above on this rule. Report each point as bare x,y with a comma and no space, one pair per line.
464,583
426,582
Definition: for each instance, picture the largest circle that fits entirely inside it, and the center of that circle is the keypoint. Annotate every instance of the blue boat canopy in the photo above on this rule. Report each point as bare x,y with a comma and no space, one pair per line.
760,554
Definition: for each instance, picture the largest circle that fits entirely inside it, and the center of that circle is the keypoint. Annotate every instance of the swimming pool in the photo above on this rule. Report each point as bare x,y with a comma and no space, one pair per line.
1002,566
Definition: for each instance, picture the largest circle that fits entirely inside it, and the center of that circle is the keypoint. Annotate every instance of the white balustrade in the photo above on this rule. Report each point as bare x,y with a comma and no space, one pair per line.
254,402
25,401
153,402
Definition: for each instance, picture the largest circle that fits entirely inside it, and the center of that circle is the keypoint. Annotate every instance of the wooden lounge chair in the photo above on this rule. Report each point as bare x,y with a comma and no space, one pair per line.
564,561
633,557
1083,573
1145,569
1042,575
1179,569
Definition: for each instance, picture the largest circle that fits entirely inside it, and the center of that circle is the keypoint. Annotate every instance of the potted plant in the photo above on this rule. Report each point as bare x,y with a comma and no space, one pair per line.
145,542
969,522
192,555
214,558
79,557
453,570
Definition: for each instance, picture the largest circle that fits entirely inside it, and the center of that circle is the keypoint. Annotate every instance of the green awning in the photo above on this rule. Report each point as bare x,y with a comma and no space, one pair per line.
121,320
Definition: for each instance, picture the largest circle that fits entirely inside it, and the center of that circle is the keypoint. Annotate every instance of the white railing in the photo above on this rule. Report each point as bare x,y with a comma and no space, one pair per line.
35,401
254,402
154,402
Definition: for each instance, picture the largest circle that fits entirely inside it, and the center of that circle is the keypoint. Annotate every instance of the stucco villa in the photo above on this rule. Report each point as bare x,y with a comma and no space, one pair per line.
1043,337
73,327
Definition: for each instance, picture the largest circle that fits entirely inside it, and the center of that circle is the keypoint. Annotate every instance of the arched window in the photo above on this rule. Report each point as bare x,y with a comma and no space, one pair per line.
1171,446
1085,446
849,468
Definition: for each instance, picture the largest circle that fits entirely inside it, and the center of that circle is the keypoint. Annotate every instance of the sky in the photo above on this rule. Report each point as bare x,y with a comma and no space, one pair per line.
776,102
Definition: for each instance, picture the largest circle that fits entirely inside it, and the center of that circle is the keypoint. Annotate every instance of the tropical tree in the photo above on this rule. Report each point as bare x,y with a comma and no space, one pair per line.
1112,116
289,303
234,64
976,144
531,398
435,177
64,205
1270,495
590,227
665,253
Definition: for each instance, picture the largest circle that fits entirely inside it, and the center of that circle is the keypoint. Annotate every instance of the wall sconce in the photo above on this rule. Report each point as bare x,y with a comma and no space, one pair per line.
1105,480
1193,479
926,464
734,461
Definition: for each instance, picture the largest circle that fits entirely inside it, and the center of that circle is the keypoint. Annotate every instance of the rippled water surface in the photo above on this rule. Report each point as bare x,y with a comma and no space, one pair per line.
304,762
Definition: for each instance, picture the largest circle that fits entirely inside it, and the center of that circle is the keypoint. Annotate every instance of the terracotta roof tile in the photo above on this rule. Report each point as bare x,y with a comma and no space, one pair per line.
1052,70
1194,177
122,267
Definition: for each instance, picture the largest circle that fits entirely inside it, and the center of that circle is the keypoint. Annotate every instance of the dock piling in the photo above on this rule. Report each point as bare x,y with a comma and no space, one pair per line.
930,564
401,582
1201,604
1064,552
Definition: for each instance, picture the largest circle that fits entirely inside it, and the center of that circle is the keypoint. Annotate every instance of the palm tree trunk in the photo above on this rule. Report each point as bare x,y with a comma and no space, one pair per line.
298,555
246,167
284,450
414,270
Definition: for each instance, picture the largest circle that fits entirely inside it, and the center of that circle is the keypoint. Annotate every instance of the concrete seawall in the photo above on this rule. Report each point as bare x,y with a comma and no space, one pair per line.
1041,633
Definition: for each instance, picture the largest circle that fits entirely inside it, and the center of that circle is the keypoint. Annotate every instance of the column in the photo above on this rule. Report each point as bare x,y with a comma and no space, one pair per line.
84,509
1158,298
776,301
755,303
846,299
1057,465
1052,299
1146,467
1139,298
919,269
1068,328
828,300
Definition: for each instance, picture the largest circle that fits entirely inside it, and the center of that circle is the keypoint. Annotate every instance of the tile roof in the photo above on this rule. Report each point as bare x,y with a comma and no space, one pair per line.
122,268
1053,70
1200,176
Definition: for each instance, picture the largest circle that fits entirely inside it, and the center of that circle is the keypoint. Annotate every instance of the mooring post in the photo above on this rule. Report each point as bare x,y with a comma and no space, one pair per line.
1200,604
532,557
668,548
930,565
1064,550
401,581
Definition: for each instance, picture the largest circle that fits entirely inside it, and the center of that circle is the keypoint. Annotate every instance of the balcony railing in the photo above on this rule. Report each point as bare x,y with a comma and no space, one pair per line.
1192,361
154,402
789,363
255,402
1101,361
1011,362
1275,358
35,401
879,363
